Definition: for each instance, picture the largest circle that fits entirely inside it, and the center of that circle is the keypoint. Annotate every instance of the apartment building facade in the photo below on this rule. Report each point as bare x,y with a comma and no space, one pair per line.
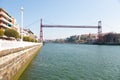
28,32
7,21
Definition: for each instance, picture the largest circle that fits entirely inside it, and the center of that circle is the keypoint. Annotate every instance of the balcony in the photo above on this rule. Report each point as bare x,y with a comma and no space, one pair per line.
5,26
5,15
6,21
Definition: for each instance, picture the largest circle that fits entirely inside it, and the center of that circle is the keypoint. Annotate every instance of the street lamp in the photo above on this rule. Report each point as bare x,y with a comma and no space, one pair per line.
21,9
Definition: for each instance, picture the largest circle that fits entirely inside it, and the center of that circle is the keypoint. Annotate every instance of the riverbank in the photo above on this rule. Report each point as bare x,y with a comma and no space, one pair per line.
95,43
16,77
107,43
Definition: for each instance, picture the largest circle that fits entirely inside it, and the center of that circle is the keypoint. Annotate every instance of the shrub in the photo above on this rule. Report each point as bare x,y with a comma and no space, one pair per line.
29,39
1,32
36,40
32,40
26,38
11,33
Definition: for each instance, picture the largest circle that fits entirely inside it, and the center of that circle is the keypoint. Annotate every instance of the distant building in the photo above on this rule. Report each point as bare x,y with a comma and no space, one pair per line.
72,39
111,38
28,32
7,21
89,38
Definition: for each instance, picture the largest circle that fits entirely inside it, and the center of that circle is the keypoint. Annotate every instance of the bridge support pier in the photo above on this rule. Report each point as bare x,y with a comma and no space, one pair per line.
41,32
99,31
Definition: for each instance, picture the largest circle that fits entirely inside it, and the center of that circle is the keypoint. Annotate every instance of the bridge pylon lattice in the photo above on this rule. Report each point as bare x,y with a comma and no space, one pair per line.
41,32
100,38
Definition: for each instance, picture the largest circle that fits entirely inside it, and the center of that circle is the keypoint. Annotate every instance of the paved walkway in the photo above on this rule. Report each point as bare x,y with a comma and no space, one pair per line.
4,44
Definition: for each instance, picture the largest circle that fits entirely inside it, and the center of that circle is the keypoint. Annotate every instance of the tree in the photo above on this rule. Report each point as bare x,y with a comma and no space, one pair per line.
11,33
1,32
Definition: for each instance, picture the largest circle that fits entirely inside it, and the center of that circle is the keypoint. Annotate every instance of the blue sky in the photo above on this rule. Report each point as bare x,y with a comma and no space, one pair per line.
67,12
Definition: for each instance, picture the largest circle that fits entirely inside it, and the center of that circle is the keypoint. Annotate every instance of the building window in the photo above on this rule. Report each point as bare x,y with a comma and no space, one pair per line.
9,25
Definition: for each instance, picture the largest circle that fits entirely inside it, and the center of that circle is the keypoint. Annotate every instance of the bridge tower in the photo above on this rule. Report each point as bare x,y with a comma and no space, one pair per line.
41,31
99,31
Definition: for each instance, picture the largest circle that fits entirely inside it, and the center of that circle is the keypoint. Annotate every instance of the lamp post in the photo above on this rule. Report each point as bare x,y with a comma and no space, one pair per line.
21,9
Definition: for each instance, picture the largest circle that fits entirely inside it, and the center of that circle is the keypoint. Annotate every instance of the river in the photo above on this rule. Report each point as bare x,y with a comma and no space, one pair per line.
75,62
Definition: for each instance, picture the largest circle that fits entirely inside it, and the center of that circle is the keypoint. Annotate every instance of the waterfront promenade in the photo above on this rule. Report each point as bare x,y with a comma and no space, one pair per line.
5,44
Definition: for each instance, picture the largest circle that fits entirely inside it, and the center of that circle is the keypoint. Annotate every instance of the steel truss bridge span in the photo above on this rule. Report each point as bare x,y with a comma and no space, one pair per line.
67,26
99,27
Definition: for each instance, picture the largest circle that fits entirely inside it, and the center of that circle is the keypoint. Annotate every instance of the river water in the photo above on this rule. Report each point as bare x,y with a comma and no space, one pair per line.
75,62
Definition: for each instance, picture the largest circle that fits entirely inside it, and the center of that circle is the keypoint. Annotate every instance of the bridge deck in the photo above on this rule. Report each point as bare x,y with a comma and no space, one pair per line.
68,26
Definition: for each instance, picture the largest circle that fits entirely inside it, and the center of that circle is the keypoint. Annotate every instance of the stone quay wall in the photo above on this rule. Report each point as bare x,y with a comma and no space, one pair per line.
13,61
